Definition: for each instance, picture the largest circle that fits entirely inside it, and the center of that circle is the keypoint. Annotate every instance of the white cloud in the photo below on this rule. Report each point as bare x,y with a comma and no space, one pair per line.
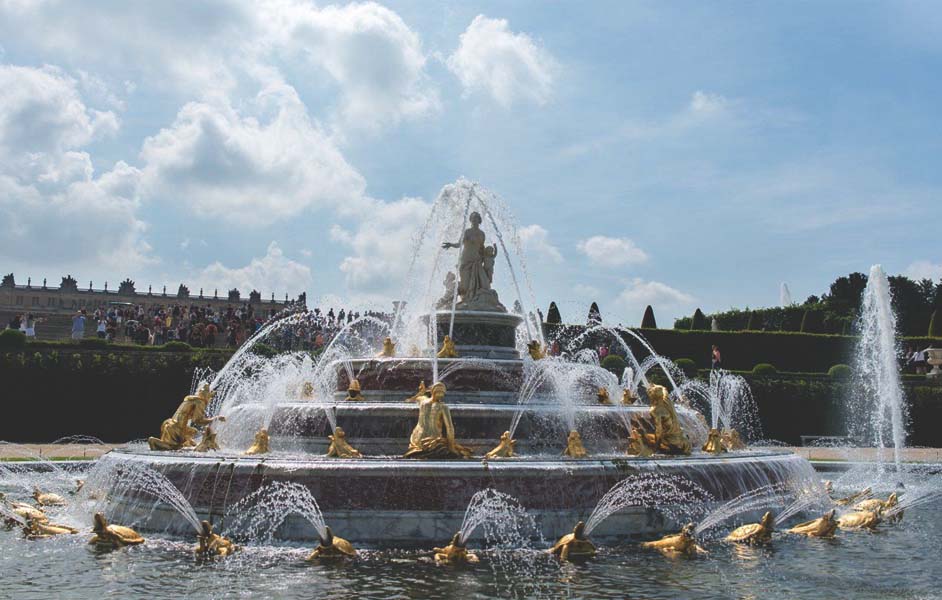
584,290
611,252
508,66
535,240
640,293
705,103
273,272
227,165
924,269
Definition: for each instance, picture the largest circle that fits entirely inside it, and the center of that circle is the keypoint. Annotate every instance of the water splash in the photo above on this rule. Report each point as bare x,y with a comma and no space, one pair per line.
765,497
259,515
672,495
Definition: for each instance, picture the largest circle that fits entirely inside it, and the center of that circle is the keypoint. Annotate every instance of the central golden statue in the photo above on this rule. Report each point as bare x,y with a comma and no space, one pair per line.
714,443
261,444
575,545
354,391
668,436
504,449
339,447
455,553
434,434
179,431
448,348
678,543
332,547
210,544
574,447
389,349
113,536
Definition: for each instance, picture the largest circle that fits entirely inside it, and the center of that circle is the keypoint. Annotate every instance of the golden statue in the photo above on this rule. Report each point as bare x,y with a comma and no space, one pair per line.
22,510
677,543
434,434
714,443
208,442
307,390
504,449
574,447
339,447
113,536
422,393
389,349
332,547
575,545
354,391
603,396
754,533
535,350
261,444
853,498
179,430
668,436
448,349
638,444
37,529
877,505
732,441
47,498
860,519
823,527
455,553
210,544
628,397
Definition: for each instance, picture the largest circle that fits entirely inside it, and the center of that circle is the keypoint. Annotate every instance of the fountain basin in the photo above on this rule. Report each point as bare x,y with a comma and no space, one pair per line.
397,502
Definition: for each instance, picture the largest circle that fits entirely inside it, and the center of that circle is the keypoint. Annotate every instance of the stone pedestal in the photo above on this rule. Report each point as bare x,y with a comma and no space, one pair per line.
481,334
935,359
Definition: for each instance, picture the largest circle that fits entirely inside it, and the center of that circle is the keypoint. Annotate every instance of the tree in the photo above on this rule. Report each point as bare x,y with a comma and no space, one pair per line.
755,321
647,321
699,321
845,294
595,316
935,324
811,322
552,315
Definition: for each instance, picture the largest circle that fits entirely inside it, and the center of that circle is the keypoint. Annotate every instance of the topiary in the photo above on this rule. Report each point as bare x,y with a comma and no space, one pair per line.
935,324
12,339
688,366
177,346
699,321
764,369
614,364
595,316
647,321
840,372
552,315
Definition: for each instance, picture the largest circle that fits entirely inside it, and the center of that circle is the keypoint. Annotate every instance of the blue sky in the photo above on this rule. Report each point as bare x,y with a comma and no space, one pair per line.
681,154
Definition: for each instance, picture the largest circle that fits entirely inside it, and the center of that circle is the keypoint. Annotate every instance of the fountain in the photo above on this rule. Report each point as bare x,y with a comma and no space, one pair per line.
393,467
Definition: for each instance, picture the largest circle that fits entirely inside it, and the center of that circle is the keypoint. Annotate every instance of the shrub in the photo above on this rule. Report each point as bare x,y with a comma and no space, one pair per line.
265,350
935,324
764,369
647,321
688,366
12,339
93,342
178,346
614,364
755,321
811,322
840,372
699,322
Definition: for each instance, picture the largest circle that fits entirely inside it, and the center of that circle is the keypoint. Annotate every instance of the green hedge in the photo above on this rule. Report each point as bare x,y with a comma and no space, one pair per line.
764,369
687,365
614,364
841,372
12,339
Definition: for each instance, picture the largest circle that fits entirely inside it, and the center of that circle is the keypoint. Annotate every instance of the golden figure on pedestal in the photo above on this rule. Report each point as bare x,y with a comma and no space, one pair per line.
732,441
603,396
504,449
113,536
179,431
677,543
574,447
421,393
339,447
714,443
332,547
455,553
668,436
209,544
208,442
628,397
354,392
261,444
389,349
575,545
754,533
823,527
434,434
448,348
535,350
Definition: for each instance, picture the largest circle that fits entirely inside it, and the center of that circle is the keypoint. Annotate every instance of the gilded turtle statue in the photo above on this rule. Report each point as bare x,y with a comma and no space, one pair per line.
504,448
877,505
575,545
754,533
823,527
853,498
113,536
681,543
212,544
859,519
48,498
38,530
455,553
332,547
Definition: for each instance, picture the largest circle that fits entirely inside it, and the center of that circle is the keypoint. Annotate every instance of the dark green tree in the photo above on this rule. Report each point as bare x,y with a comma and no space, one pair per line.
755,321
699,321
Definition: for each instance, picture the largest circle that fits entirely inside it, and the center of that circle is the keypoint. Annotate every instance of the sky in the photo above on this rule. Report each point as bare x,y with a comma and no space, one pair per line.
682,154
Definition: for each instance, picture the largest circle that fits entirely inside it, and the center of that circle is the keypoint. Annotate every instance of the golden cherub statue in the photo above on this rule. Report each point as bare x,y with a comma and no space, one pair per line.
668,436
179,430
448,348
455,553
421,393
628,397
339,447
389,348
261,444
208,442
603,396
210,544
354,391
535,350
574,447
714,443
504,449
575,545
434,434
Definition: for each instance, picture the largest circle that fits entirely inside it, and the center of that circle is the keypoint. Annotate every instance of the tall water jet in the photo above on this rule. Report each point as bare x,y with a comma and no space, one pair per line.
876,412
785,295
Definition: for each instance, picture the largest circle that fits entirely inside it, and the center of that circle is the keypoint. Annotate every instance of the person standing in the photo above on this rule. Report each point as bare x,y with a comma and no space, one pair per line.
78,325
716,359
30,329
